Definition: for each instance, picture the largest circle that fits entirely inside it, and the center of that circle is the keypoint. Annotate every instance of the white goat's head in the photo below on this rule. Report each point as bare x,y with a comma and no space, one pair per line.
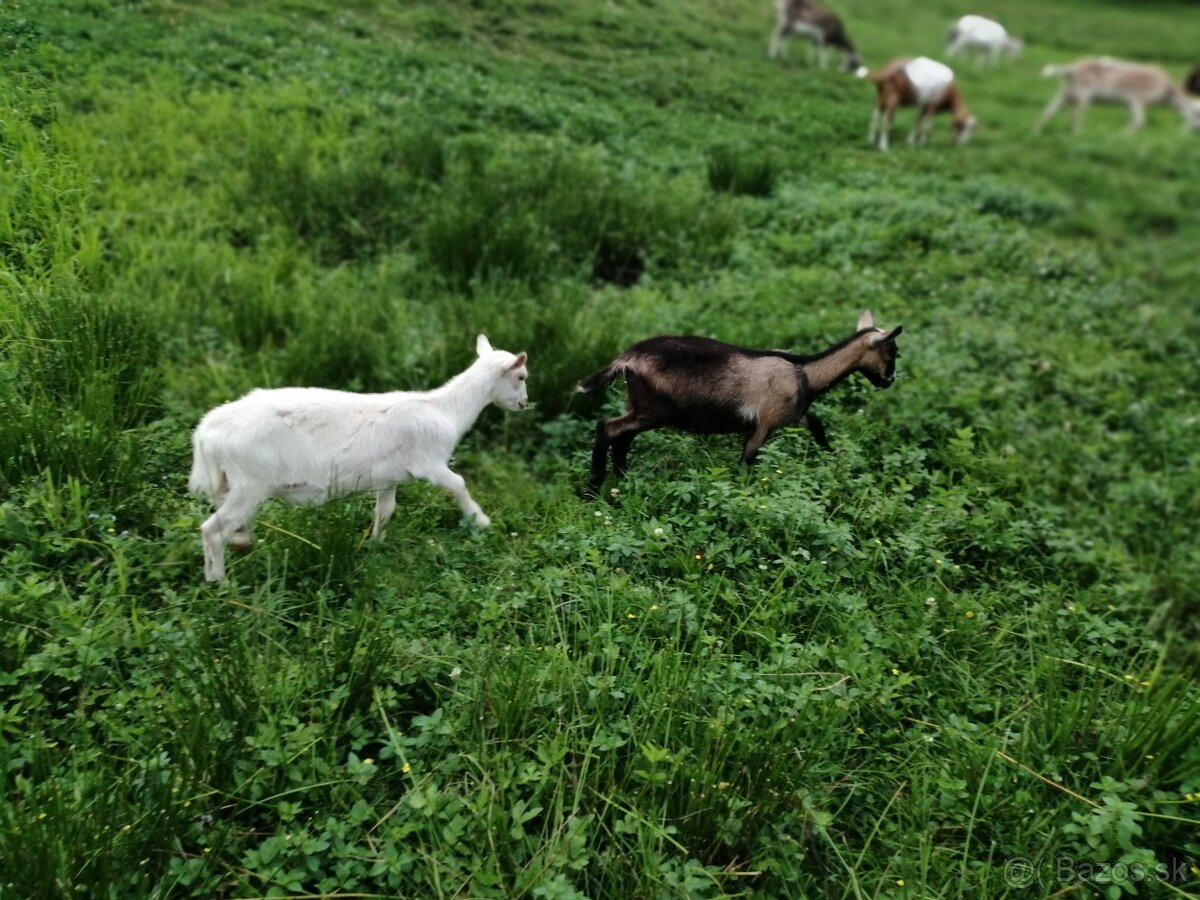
508,390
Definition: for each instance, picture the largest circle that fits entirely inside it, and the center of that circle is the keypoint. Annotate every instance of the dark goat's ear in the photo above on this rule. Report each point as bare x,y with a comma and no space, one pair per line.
882,338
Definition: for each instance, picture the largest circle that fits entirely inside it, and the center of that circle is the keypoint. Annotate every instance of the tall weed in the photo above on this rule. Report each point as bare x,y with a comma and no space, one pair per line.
529,216
82,373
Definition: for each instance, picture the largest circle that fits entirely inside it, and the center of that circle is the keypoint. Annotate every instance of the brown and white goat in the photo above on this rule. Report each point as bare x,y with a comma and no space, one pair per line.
924,83
818,23
1109,80
704,386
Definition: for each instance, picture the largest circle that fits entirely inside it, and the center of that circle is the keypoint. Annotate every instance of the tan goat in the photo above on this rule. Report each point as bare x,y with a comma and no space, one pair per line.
1107,80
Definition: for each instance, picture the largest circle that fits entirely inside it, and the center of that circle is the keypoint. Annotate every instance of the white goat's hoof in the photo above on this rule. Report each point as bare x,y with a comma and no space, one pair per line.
482,521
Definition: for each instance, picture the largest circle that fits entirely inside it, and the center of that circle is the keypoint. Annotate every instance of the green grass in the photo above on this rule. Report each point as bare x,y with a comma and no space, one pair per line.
965,638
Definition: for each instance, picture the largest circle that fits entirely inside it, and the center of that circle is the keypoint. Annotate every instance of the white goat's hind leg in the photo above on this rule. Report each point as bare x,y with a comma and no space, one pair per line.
241,539
442,477
232,518
385,505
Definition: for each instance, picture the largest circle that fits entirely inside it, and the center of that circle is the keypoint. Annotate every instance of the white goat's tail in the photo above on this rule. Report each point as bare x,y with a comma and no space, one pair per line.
1050,71
207,477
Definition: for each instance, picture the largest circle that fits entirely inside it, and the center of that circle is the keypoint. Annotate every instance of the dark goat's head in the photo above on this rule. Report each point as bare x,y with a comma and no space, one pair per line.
879,352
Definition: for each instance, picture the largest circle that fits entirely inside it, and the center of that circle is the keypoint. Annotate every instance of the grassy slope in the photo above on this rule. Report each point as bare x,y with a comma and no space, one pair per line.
965,636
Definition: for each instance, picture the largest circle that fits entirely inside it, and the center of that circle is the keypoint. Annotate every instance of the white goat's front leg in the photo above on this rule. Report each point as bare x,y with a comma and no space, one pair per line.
385,505
873,130
454,483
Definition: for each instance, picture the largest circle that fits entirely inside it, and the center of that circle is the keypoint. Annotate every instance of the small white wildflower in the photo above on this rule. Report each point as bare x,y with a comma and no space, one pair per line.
659,532
455,673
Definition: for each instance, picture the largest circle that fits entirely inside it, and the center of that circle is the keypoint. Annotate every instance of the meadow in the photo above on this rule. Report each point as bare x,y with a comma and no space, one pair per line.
954,657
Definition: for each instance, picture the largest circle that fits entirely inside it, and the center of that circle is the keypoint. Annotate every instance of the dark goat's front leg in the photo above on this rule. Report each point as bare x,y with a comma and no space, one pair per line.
816,429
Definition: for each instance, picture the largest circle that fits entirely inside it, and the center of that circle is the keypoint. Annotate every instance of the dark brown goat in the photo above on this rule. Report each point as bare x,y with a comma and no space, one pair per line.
818,23
706,387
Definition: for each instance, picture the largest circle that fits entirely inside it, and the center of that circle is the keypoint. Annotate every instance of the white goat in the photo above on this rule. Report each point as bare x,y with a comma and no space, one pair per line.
1111,80
309,445
979,33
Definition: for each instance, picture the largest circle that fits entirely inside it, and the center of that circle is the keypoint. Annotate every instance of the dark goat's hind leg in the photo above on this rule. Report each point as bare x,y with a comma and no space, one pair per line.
754,444
617,433
599,462
620,453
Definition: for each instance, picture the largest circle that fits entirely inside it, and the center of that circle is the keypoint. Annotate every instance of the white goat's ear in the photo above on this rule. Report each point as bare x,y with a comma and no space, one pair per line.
482,346
519,361
866,320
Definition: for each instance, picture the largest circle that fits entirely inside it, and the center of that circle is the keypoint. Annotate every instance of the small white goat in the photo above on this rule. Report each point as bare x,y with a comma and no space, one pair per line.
1111,80
921,82
309,445
979,33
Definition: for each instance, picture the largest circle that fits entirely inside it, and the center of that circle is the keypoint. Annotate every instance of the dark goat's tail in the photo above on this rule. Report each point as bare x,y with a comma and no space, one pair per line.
598,381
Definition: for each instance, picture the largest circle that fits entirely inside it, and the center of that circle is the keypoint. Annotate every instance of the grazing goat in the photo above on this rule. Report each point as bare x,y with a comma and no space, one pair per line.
309,445
1111,80
818,23
979,33
920,82
704,386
